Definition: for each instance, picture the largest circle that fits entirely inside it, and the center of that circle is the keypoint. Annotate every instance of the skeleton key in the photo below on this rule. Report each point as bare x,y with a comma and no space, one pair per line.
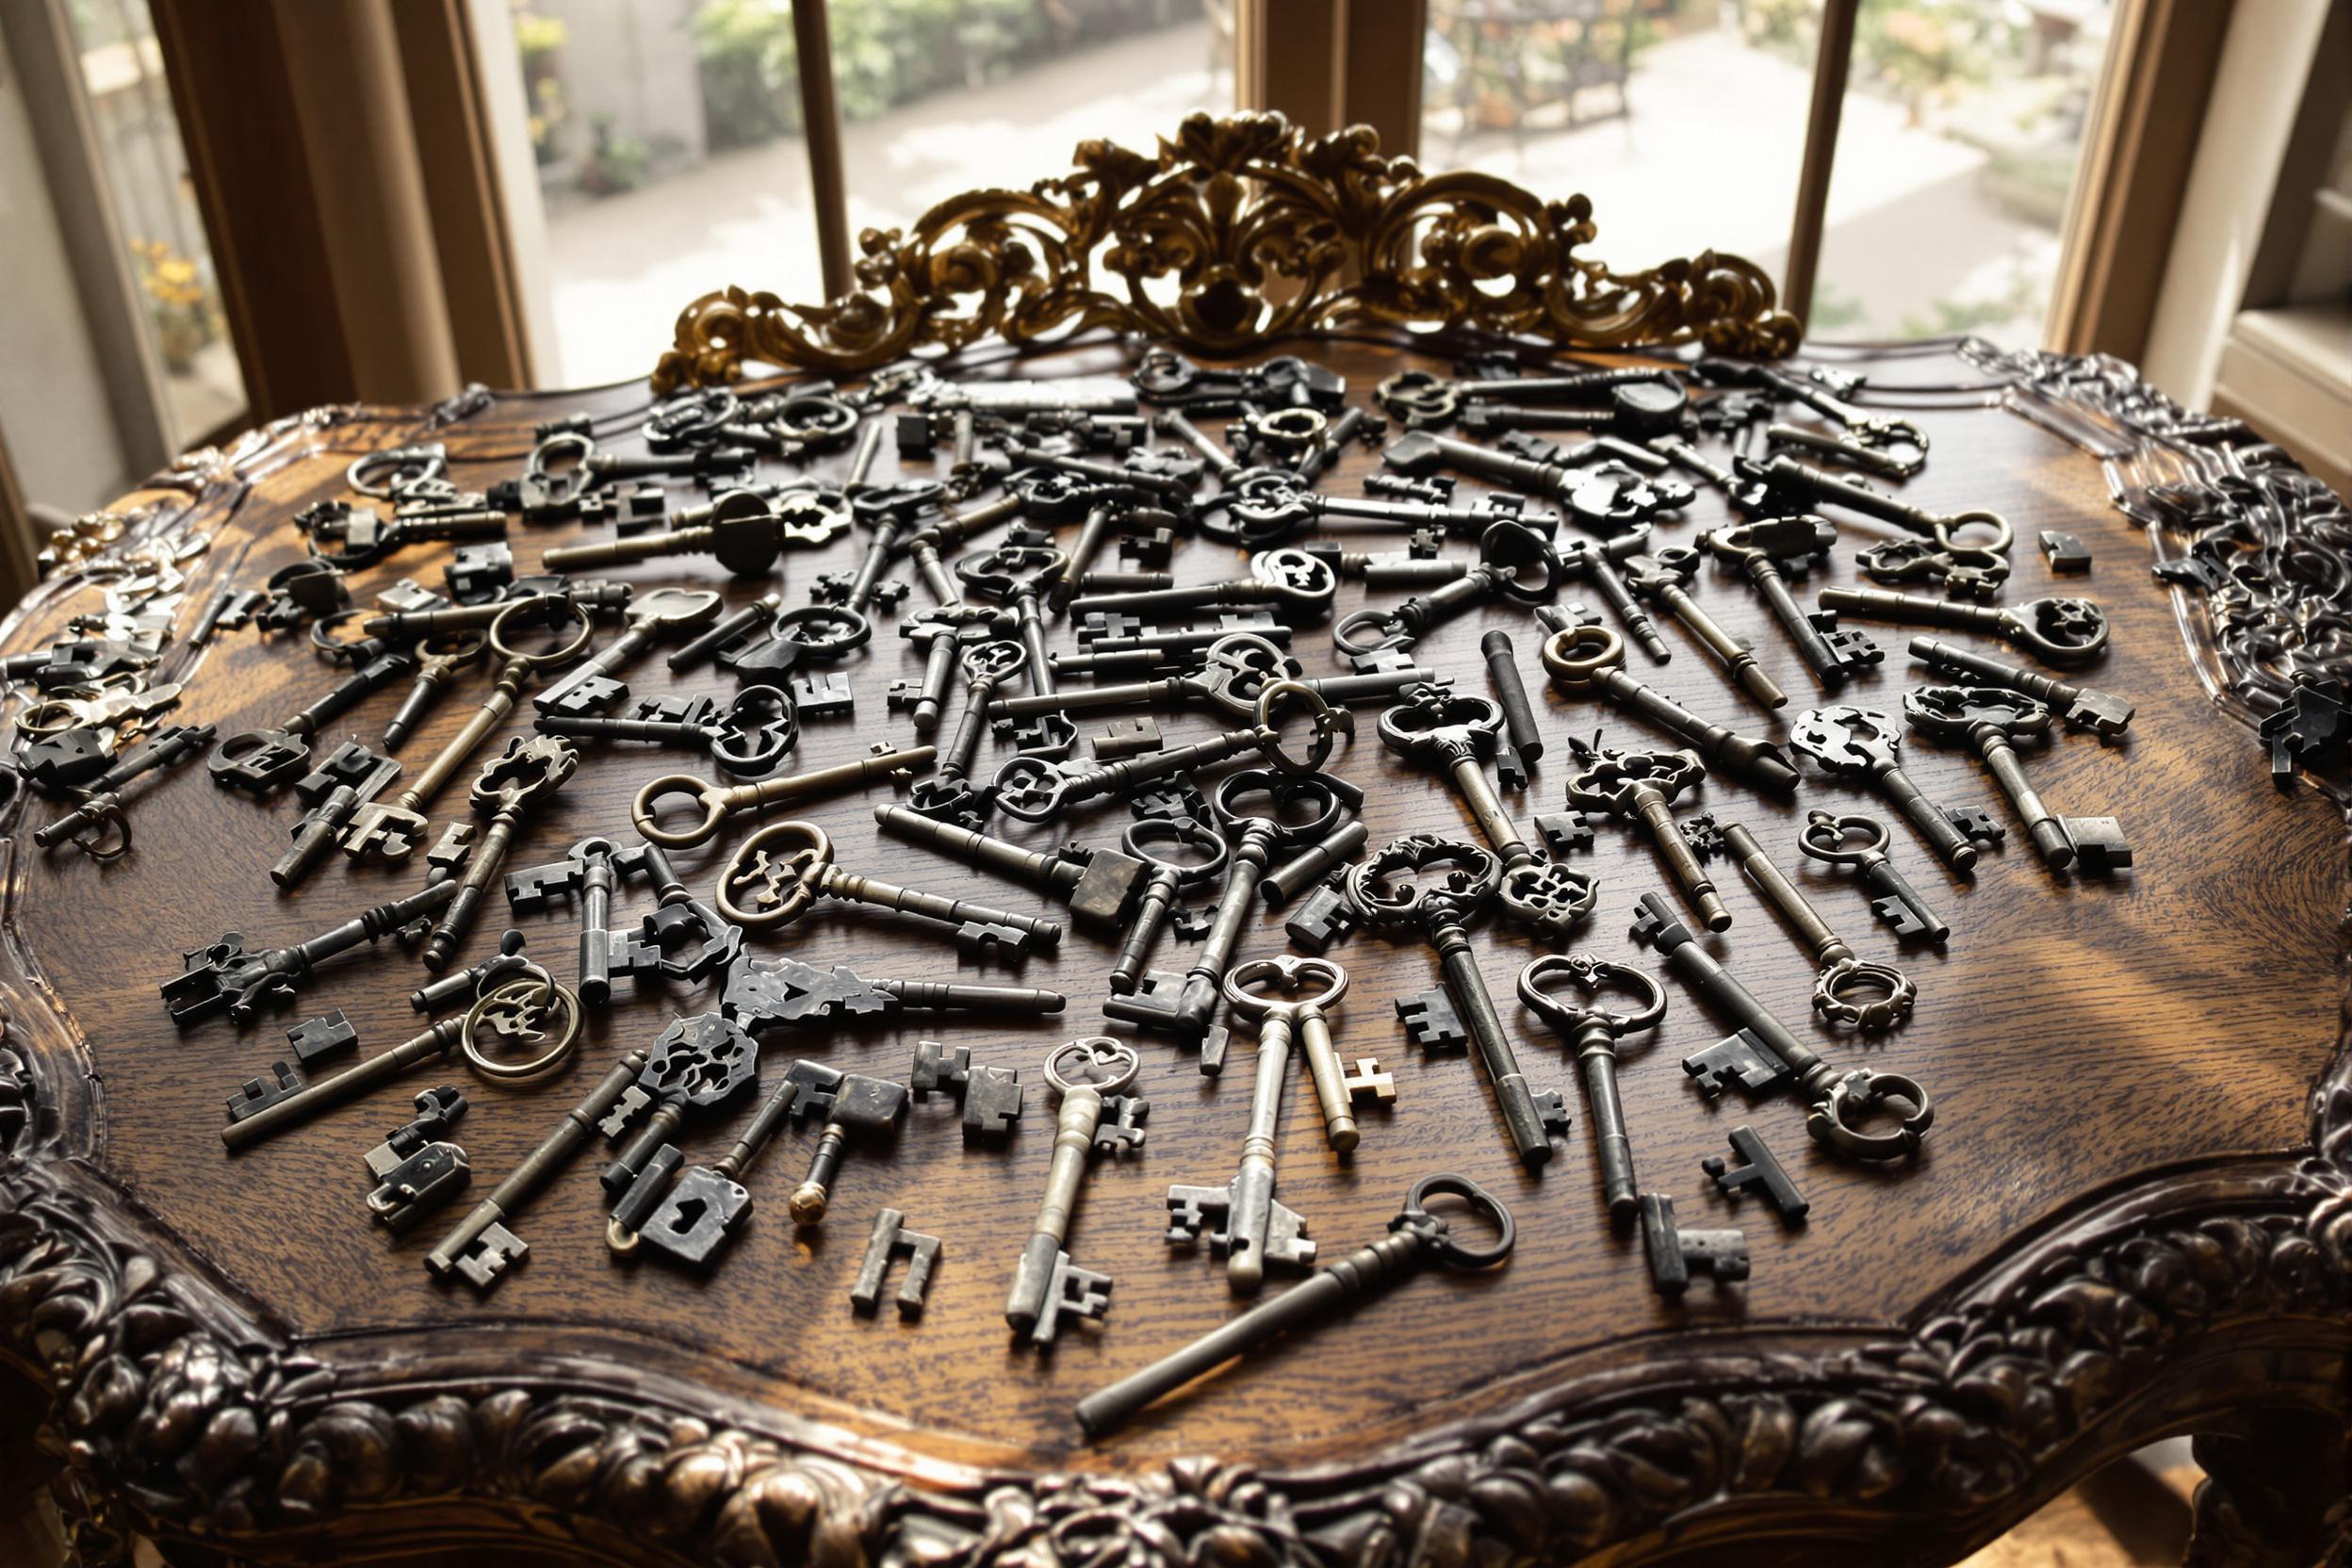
1273,508
781,870
1593,1034
352,537
948,795
1986,720
1665,576
1864,743
1415,1237
1394,889
1846,989
691,1216
887,512
750,736
1161,884
1644,784
1514,562
1898,903
224,976
414,1170
1257,1231
1900,439
851,1102
523,777
1636,410
588,872
439,657
2056,630
746,531
1762,1055
1965,571
1837,449
262,759
1453,732
101,806
945,633
717,804
1802,484
481,1247
1091,1075
698,1064
1296,585
1590,660
1419,397
1235,668
2103,713
1760,549
663,613
1096,884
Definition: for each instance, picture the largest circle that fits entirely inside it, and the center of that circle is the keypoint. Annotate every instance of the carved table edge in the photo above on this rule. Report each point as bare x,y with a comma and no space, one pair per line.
178,1411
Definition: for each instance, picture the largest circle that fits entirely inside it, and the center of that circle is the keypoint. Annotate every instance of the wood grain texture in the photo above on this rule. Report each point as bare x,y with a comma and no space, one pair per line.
2079,1036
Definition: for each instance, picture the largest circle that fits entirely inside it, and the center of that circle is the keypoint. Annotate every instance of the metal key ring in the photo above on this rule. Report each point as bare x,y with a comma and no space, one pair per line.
1289,970
2005,534
1886,1000
1507,550
1097,1051
1138,839
92,838
1478,872
823,632
1578,656
644,809
1284,789
1328,721
1824,838
323,640
747,745
1589,973
510,1072
553,606
783,898
1392,632
1839,1118
397,466
1481,1202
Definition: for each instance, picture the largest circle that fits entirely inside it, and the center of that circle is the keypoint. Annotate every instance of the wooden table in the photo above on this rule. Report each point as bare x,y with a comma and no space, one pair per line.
2130,1221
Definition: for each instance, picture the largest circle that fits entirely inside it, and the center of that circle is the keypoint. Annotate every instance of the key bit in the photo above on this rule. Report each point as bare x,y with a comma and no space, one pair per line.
992,1097
891,1240
1759,1168
1676,1255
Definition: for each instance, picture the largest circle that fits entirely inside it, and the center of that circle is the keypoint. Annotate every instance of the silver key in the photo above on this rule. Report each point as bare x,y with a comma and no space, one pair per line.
1090,1074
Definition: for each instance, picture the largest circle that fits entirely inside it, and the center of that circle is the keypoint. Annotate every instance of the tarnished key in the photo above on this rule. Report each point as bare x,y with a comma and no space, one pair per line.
2103,713
945,633
1415,1237
1096,884
1435,888
691,1216
696,1065
1762,1055
949,794
1294,582
1644,785
1898,903
1766,551
262,759
2056,630
1865,744
525,776
1665,576
588,872
481,1247
1593,1034
100,804
1452,731
750,736
415,1170
780,871
1988,720
718,803
439,657
591,686
1514,562
1590,660
1846,989
1091,1075
1161,883
850,1103
1245,1224
1802,484
225,977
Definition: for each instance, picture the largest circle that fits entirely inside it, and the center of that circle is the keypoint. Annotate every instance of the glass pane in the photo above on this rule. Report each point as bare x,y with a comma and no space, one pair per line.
1962,127
669,149
1682,119
154,204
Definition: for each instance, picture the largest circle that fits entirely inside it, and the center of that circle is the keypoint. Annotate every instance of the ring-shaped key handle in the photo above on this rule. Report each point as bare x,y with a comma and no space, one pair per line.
343,650
777,885
1826,834
379,473
1841,1119
1507,551
687,417
709,801
1389,889
1297,579
577,445
1609,784
995,662
105,838
1367,631
756,731
1450,1250
1864,994
509,1002
445,651
1147,839
1028,787
1329,722
1163,372
1236,667
813,416
1434,723
1955,712
2062,630
1591,974
1283,790
1291,974
1902,441
531,768
673,608
823,632
1948,528
1095,1062
1418,397
1578,656
553,607
1003,573
1846,740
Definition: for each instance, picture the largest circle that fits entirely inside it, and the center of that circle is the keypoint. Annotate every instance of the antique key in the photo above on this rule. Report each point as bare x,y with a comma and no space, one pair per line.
1803,484
945,633
1294,582
1963,571
224,976
1091,1075
2056,630
719,803
1419,397
1665,576
481,1247
1864,743
1590,660
850,1102
1762,1055
696,1065
1514,562
781,870
1846,989
1898,903
948,794
351,776
1593,1034
2103,713
1256,1230
992,1098
1986,720
1452,733
439,657
591,687
1185,1005
746,532
1644,784
691,1216
1759,551
1900,439
1161,884
1416,1237
100,804
525,776
415,1169
352,537
750,736
262,759
588,872
1394,890
1096,884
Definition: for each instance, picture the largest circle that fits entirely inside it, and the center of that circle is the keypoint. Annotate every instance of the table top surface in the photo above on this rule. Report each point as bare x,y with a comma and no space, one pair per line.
2079,1035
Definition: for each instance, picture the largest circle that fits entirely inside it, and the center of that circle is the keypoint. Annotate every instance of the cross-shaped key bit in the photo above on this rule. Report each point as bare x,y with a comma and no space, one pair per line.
1564,833
1738,1060
823,694
493,1251
317,1038
1079,1292
1431,1023
1762,1169
889,1240
1366,1079
1121,1130
1677,1255
1976,824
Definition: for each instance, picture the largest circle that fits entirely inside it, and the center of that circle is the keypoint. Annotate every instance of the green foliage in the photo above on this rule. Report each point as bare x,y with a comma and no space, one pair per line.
1915,49
614,163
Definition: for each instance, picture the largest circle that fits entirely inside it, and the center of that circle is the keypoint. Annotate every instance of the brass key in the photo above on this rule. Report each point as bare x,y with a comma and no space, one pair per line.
1091,1074
718,802
530,770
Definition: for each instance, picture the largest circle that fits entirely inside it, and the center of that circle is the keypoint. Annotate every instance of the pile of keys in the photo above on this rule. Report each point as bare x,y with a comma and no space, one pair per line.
1026,549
